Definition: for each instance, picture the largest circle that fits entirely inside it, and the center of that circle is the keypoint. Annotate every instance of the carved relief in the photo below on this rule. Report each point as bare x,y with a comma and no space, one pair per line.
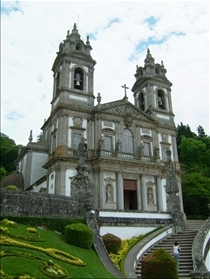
164,137
77,121
128,120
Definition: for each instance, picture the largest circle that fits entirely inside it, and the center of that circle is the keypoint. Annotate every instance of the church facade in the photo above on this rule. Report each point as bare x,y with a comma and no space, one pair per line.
127,142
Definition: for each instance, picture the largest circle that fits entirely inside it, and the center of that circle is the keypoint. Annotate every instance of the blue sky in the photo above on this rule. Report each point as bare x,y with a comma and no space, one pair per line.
120,32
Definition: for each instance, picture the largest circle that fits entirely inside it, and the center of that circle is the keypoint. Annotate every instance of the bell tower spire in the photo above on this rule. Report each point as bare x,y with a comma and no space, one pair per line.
152,90
73,71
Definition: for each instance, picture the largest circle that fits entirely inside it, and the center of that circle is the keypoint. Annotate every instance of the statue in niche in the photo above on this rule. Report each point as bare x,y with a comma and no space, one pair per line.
118,143
82,152
157,155
109,193
150,196
141,149
101,143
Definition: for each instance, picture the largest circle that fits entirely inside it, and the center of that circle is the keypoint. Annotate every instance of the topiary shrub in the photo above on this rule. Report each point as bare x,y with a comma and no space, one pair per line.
112,243
12,188
79,235
159,264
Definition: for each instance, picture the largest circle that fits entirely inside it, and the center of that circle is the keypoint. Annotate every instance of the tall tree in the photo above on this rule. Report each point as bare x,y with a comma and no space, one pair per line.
194,157
9,152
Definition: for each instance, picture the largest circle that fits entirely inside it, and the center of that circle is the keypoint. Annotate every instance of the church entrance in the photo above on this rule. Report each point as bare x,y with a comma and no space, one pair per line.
130,194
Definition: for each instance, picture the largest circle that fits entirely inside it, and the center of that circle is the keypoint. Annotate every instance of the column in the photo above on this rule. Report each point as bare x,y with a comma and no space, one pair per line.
101,190
159,194
139,194
120,194
143,193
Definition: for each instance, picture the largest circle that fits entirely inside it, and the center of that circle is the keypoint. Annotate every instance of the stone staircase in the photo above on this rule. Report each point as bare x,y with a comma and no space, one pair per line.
185,239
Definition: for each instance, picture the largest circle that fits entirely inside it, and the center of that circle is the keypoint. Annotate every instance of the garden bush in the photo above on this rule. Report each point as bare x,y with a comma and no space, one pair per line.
159,264
53,224
12,188
112,243
79,235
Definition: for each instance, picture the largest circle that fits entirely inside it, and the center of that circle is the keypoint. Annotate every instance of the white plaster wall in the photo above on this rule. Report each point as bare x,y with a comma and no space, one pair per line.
125,232
207,260
51,183
22,165
37,171
69,175
135,215
69,133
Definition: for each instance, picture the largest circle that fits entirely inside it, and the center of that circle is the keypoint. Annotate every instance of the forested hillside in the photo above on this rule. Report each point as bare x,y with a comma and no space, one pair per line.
194,157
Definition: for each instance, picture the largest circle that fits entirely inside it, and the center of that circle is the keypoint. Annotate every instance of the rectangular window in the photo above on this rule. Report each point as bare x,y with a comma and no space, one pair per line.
108,143
146,148
76,140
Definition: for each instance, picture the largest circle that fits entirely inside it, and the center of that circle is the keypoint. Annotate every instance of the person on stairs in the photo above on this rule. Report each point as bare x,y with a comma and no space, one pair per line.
175,253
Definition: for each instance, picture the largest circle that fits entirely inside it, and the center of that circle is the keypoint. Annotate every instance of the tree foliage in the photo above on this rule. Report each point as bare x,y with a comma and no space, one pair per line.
9,153
194,157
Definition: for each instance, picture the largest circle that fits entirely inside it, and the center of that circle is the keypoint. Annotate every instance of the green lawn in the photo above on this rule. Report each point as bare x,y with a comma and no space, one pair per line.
30,261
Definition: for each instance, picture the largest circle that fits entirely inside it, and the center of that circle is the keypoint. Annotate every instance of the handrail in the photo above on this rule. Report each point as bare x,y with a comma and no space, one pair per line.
200,249
137,251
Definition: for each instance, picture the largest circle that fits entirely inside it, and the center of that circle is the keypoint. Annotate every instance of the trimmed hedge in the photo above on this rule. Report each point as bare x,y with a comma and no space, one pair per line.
79,235
112,243
54,224
159,264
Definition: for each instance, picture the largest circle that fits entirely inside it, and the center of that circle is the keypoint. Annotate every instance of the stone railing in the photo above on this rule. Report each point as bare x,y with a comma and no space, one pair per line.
201,253
138,250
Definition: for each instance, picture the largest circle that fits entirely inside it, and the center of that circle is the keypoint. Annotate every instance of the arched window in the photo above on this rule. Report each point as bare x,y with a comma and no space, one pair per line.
141,72
161,100
127,141
141,101
78,46
78,78
157,70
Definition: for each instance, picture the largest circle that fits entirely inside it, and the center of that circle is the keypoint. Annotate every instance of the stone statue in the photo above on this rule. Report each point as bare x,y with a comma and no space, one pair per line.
118,143
157,155
109,193
141,149
150,197
82,152
101,143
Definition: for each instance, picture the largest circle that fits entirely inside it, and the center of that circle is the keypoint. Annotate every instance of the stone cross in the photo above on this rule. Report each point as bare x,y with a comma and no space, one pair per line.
124,86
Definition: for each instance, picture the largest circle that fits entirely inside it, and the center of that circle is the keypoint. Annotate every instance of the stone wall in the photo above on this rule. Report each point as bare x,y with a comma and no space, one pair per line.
33,204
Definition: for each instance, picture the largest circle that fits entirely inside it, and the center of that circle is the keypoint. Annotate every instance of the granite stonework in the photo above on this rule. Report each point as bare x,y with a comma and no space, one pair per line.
38,205
172,189
200,253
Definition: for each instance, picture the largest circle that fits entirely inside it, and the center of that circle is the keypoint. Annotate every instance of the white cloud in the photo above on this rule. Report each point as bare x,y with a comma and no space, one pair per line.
32,31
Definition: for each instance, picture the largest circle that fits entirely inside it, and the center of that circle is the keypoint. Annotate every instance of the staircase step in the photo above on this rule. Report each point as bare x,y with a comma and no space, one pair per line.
185,238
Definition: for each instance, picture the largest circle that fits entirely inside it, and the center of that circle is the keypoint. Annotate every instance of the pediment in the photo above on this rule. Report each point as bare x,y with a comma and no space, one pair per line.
123,109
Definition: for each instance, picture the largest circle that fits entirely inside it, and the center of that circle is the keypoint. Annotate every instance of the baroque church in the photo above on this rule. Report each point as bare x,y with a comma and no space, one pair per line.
127,143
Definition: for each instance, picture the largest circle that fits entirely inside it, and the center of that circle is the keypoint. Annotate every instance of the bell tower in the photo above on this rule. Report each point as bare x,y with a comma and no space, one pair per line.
73,71
152,90
71,106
